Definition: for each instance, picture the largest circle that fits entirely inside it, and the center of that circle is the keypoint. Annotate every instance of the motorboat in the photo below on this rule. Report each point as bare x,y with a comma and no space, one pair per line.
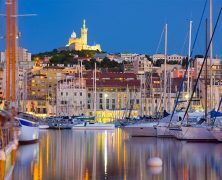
29,130
64,122
94,126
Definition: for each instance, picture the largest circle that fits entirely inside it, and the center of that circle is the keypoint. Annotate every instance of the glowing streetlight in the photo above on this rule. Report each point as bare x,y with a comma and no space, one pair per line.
187,96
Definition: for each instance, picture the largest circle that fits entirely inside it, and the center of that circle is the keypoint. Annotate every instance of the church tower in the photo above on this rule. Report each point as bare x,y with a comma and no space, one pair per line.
84,32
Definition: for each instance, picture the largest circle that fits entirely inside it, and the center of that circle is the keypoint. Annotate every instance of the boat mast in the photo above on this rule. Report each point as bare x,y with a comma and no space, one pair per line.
81,81
170,89
206,81
189,87
165,69
141,102
211,53
95,91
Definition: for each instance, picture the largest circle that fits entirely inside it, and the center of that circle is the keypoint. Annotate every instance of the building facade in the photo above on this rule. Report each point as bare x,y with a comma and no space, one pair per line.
71,97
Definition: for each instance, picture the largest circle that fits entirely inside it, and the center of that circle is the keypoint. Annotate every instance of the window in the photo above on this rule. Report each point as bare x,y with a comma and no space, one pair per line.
89,95
61,93
88,106
107,103
101,95
67,93
80,93
137,101
113,104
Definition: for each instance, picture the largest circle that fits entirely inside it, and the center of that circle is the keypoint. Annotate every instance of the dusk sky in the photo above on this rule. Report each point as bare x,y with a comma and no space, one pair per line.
118,25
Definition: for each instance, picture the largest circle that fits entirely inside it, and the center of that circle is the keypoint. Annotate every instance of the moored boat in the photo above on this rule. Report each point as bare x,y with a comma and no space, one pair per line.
141,130
29,131
94,126
217,133
197,133
163,132
65,122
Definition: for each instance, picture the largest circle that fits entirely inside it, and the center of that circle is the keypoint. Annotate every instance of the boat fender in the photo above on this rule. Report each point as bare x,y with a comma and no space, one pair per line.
155,162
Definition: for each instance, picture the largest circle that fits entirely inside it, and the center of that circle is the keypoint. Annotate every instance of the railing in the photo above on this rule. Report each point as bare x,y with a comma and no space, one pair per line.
7,135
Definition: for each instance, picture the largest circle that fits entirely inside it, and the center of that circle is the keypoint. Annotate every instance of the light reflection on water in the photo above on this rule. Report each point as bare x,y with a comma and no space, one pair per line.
78,155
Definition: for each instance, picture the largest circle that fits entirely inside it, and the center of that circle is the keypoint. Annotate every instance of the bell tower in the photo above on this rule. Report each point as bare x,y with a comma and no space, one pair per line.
84,32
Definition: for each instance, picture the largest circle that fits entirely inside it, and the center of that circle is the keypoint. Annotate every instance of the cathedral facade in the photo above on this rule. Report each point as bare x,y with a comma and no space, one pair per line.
81,43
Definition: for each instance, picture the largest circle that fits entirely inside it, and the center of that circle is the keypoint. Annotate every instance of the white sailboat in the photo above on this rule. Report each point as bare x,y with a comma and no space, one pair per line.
162,128
151,129
201,132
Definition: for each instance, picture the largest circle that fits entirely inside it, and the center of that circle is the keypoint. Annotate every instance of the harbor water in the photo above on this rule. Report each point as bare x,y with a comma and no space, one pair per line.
82,155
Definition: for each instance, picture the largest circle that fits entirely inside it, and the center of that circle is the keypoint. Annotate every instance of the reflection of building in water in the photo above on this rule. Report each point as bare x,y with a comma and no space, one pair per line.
82,42
100,154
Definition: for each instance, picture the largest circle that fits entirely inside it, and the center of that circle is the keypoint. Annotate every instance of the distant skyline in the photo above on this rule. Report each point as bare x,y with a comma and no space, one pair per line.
118,25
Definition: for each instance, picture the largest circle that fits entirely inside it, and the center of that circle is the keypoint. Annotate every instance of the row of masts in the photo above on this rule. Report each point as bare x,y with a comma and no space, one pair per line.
189,72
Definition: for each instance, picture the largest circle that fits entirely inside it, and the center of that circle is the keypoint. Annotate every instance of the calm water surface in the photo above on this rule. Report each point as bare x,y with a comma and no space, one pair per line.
77,155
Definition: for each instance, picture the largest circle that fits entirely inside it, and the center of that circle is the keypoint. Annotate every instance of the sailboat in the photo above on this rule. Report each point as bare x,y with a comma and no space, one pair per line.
217,129
152,129
200,131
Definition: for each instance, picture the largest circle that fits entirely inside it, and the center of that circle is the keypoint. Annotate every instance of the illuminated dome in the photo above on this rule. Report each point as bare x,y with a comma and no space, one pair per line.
73,35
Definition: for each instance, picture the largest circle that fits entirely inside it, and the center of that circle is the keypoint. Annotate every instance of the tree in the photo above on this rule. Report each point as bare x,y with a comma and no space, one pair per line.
184,62
199,56
159,62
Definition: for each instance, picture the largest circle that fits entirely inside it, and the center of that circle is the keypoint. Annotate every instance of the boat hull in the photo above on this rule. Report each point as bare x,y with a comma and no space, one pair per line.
217,134
141,131
29,132
164,132
60,127
200,134
94,126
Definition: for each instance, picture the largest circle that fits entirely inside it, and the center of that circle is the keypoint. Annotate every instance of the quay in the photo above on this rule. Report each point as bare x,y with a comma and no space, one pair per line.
8,145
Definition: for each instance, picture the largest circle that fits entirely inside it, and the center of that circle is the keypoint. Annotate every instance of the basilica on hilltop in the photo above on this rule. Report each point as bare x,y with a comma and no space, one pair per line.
81,43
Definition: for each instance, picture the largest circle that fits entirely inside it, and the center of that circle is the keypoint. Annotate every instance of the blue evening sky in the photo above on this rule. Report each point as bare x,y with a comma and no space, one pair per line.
118,25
